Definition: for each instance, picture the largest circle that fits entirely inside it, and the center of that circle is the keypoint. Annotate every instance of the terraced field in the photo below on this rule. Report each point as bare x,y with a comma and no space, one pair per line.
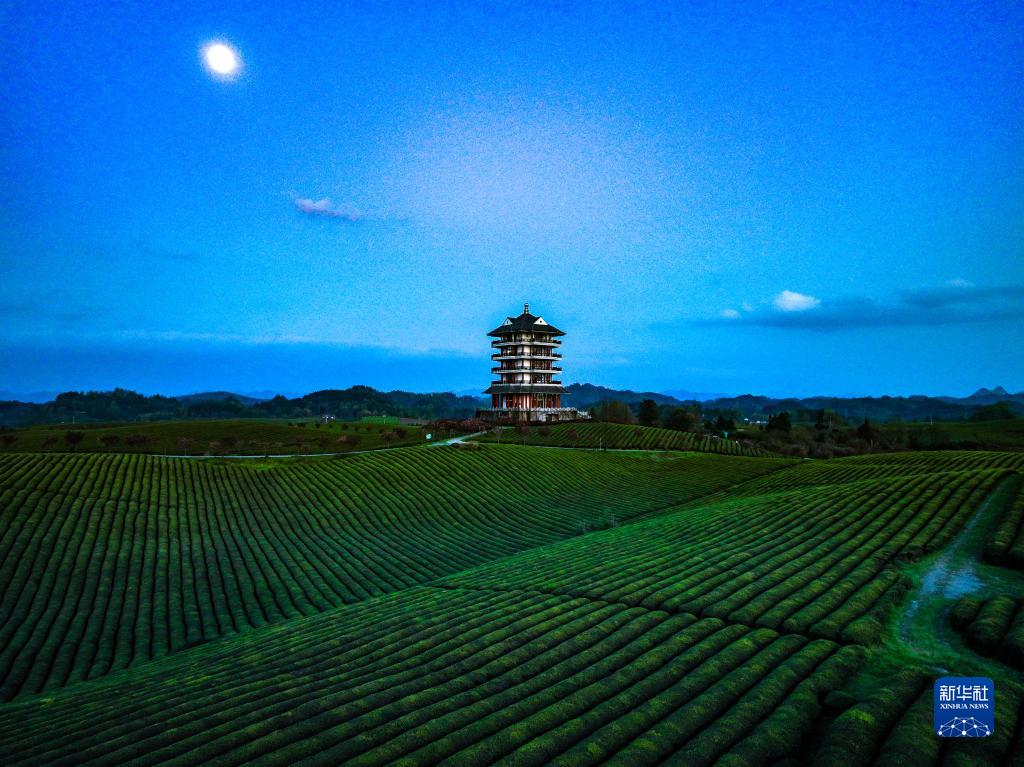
813,561
733,625
211,437
992,627
617,436
108,560
1006,546
466,677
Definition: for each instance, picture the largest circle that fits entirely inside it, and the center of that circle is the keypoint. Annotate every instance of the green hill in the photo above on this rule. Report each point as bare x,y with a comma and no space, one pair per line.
617,436
234,437
750,623
109,560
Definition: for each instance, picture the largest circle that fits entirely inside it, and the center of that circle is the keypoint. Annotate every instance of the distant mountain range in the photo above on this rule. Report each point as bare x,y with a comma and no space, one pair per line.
692,396
125,405
220,396
988,397
357,401
912,408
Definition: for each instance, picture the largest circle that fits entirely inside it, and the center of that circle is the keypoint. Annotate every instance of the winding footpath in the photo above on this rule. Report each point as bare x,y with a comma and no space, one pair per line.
955,572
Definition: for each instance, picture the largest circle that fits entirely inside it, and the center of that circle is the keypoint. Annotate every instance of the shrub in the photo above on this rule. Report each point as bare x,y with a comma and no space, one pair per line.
964,612
987,630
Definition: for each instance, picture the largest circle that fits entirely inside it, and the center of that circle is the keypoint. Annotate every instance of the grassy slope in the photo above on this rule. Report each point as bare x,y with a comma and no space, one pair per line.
242,437
993,434
617,436
656,641
167,553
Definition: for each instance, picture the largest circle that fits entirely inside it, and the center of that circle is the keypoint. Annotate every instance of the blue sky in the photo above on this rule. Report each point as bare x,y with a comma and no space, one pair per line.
795,199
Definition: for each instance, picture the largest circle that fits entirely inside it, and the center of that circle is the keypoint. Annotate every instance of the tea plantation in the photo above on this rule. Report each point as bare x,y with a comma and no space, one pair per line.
512,604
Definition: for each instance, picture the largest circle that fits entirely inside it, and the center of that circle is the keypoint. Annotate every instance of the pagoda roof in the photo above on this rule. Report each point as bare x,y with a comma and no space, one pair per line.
526,322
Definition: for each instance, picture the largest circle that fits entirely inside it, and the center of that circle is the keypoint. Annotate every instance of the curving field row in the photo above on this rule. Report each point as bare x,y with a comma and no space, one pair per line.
718,631
1006,546
108,560
993,627
816,561
617,436
879,466
949,460
893,726
463,677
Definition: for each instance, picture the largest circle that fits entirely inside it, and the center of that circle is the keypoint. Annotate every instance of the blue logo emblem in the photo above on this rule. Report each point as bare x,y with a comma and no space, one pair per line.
965,707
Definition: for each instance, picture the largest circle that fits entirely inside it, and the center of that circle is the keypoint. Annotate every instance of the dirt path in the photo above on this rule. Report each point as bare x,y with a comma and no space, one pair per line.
924,627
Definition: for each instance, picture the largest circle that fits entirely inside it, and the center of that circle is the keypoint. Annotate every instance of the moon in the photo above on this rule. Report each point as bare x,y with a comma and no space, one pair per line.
222,60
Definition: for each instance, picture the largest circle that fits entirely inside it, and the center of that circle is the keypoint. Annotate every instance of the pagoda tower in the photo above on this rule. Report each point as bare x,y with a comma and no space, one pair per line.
528,363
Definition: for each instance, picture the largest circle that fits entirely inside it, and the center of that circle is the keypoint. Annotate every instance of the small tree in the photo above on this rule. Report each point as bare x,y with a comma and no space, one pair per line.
648,414
573,436
866,431
73,438
681,419
109,440
10,439
185,444
524,433
614,412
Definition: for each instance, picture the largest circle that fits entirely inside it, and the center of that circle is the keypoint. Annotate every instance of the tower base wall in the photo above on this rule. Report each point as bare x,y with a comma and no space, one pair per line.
530,415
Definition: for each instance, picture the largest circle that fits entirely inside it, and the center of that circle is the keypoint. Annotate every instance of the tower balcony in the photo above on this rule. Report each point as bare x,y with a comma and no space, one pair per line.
499,371
523,385
544,355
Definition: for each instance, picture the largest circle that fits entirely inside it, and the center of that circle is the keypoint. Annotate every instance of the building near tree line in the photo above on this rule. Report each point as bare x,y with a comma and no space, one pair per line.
528,357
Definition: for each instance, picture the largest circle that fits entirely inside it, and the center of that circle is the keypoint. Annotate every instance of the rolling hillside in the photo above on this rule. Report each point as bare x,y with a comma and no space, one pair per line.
108,560
617,436
731,628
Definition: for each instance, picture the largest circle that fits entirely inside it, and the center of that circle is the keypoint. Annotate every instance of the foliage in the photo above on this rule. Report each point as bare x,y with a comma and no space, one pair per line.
620,437
648,413
1000,411
245,437
683,419
613,411
124,405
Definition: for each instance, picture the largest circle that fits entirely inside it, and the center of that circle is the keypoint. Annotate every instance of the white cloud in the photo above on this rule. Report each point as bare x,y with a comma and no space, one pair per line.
747,307
730,314
790,301
960,282
327,208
